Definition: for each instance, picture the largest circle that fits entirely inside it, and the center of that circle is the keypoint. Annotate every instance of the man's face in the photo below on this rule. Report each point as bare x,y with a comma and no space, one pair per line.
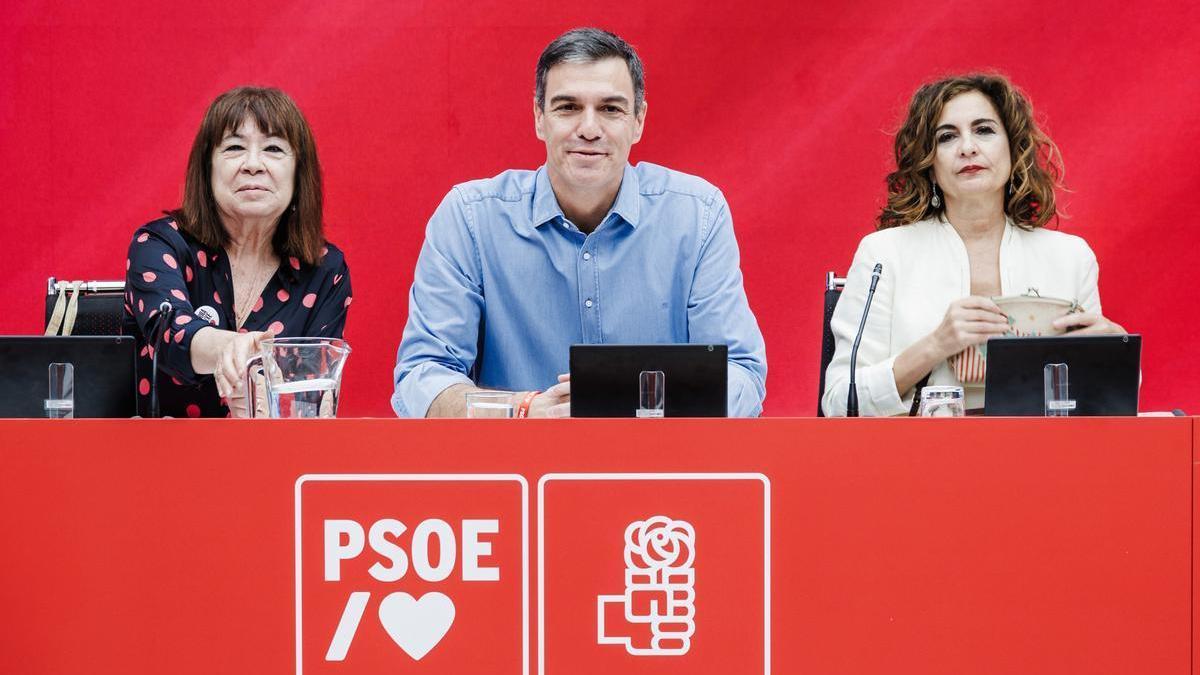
588,123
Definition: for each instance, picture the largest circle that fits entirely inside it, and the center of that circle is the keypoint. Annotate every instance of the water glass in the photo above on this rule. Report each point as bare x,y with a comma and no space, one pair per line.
489,404
942,401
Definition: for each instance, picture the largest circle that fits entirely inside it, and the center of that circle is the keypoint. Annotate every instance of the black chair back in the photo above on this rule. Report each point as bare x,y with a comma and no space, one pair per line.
101,306
833,291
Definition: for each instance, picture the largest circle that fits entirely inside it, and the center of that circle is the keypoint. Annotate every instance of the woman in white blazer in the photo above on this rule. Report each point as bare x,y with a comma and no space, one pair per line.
964,222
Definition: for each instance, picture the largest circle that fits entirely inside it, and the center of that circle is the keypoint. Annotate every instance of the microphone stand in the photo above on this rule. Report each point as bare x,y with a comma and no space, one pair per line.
852,395
166,311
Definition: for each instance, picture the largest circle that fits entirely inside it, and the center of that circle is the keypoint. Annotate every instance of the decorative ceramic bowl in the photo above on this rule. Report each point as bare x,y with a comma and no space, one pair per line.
1030,315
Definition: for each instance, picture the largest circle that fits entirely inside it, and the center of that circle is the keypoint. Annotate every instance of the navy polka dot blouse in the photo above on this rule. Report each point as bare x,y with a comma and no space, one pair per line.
166,263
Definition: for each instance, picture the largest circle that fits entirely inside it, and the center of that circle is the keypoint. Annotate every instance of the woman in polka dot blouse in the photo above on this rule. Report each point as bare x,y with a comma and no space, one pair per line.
242,259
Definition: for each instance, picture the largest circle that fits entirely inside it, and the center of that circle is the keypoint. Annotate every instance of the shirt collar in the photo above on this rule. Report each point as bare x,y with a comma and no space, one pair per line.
627,205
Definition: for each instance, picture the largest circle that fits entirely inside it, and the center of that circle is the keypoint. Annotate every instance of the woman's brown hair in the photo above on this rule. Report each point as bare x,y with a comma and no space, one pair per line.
1036,163
300,231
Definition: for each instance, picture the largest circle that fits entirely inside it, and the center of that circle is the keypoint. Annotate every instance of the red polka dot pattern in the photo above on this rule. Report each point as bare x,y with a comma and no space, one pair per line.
166,263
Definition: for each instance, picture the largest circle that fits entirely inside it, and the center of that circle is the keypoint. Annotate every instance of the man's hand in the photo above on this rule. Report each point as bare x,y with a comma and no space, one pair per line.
555,401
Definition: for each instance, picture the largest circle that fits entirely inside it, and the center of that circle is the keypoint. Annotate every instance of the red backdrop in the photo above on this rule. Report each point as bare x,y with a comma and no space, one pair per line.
787,107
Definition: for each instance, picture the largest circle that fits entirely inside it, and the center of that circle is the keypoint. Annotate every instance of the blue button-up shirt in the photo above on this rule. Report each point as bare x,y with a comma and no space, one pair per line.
505,284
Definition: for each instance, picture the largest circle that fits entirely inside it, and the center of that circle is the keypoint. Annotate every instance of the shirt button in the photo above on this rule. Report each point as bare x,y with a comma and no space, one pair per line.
587,256
587,303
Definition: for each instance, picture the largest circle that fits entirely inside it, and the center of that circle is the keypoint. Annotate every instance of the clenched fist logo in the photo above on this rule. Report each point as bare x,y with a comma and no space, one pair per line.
660,594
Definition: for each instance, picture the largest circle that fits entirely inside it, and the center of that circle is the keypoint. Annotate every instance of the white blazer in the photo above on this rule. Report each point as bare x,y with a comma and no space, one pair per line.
925,268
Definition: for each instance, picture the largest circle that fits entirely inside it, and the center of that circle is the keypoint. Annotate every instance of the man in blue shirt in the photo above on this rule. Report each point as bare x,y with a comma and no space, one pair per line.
586,249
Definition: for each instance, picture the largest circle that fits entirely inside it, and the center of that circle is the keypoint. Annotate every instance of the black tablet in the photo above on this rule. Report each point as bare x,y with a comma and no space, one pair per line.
604,379
1104,373
103,374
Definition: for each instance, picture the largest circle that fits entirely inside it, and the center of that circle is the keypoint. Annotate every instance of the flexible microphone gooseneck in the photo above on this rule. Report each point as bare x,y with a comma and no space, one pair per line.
852,395
166,312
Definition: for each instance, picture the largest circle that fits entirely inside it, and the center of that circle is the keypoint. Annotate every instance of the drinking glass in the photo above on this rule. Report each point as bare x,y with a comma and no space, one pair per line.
489,404
942,401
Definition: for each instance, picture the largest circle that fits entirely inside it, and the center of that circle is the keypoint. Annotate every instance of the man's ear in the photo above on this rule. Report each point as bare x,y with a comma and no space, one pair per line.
639,123
539,121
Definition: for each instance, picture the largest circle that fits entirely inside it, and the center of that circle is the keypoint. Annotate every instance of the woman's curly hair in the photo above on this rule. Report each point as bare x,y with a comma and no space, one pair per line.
1036,163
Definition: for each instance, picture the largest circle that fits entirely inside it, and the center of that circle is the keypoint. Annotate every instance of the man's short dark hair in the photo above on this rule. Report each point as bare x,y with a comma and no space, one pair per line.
588,45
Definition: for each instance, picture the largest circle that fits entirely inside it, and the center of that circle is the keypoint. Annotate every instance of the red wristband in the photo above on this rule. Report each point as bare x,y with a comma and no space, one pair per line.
523,409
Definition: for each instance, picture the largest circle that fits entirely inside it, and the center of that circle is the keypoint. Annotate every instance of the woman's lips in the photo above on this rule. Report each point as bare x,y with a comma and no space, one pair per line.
971,170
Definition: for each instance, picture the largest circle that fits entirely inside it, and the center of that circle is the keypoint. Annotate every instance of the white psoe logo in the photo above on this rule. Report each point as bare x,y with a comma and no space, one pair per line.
660,585
416,625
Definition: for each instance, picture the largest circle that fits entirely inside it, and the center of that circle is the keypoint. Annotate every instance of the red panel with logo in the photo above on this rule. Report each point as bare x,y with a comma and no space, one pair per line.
392,566
668,577
666,546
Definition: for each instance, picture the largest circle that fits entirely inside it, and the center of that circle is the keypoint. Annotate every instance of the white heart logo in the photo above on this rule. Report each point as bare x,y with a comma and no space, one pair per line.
416,625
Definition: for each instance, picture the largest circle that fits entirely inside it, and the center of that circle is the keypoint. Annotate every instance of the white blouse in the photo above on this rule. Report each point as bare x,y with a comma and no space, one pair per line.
925,268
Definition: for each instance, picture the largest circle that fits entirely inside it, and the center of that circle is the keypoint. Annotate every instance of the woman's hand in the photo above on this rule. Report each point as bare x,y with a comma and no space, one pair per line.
230,370
1087,323
968,321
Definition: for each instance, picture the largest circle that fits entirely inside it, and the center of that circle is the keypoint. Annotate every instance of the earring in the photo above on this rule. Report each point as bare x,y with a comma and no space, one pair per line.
1010,188
936,201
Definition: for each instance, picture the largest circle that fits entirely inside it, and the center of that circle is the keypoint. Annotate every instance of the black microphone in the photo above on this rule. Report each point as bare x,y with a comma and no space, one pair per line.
166,311
852,395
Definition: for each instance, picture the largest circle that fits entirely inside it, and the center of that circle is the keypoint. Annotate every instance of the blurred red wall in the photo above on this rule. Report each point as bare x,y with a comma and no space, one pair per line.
788,107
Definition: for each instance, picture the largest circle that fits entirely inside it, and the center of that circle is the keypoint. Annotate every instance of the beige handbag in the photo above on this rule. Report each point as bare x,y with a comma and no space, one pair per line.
1029,315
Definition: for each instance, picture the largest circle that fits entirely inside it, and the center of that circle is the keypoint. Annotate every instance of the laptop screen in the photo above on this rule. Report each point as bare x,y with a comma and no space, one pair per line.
606,380
102,369
1102,372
